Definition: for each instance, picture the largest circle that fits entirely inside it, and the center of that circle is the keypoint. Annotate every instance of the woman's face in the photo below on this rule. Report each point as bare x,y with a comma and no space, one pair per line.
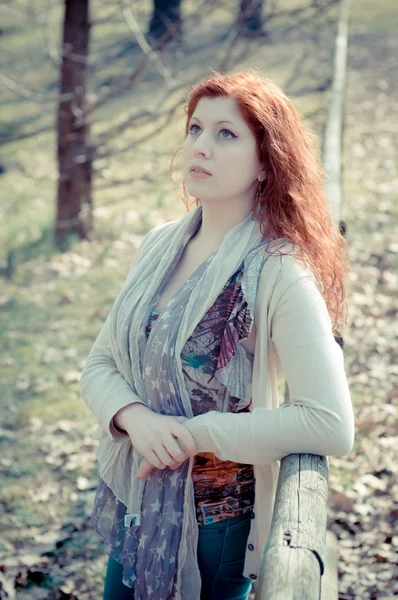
220,141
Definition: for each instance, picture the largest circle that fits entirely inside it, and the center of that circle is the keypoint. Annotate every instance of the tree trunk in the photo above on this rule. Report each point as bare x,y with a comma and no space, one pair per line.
250,15
165,15
74,202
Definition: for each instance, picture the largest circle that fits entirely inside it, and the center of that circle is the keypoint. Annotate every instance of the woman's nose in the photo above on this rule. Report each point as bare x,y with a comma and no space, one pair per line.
200,151
202,145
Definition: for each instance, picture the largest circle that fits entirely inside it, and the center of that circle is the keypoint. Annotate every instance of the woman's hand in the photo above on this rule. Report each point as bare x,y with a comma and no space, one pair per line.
146,466
162,440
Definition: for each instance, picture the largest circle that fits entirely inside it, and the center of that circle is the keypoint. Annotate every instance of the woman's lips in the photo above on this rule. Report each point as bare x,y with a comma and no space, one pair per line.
199,175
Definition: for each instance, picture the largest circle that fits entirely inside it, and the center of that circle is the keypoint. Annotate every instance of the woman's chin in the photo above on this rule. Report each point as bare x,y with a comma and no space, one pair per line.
196,191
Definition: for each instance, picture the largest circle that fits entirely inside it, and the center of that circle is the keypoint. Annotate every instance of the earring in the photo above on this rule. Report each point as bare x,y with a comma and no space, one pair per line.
259,190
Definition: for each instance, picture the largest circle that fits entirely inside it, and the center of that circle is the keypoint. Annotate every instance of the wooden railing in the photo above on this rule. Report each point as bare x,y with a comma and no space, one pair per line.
300,559
292,562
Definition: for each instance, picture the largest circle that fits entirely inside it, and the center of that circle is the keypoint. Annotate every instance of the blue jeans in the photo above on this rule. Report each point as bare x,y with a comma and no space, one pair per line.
221,559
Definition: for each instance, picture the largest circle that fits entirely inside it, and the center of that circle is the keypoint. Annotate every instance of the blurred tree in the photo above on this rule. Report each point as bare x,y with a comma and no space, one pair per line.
74,196
250,17
166,13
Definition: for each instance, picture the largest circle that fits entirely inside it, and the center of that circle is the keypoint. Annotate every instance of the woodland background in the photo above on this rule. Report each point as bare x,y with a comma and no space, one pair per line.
56,289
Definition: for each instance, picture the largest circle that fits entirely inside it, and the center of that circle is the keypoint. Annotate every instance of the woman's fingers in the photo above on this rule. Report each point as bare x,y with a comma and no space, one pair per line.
168,448
144,469
173,447
186,438
176,465
163,455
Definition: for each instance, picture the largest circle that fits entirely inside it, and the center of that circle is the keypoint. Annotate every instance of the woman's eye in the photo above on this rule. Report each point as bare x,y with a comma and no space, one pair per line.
228,131
190,129
229,136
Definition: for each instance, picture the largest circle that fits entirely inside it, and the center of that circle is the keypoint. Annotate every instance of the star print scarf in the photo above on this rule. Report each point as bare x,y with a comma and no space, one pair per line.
161,520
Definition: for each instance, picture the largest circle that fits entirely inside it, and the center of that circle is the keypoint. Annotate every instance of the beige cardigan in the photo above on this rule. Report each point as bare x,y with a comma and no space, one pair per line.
295,340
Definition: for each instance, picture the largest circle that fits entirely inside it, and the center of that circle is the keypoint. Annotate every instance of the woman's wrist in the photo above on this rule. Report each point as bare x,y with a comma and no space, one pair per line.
122,419
198,429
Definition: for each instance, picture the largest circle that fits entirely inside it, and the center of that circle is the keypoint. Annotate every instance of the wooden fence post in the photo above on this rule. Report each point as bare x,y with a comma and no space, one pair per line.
292,562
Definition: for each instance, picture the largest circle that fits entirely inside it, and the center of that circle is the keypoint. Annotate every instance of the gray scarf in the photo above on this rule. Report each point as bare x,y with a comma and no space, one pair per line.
162,504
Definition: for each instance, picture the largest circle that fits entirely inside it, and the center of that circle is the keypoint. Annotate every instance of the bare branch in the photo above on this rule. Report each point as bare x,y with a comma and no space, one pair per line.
11,6
318,8
138,141
234,35
100,20
233,39
117,90
32,175
24,92
145,47
26,135
145,116
52,50
127,84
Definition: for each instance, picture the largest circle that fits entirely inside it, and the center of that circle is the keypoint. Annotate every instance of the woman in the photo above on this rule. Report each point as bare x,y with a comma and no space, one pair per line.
183,378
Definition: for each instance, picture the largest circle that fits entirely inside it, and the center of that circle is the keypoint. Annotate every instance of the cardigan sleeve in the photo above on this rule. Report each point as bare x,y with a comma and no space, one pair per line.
319,418
102,387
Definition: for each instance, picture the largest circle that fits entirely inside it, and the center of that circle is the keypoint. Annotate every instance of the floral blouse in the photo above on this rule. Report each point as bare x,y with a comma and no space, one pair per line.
222,489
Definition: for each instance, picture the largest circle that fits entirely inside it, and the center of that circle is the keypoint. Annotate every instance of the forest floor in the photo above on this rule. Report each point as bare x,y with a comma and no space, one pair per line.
53,306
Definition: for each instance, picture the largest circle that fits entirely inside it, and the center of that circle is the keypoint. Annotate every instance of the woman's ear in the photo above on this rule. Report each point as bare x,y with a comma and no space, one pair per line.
261,176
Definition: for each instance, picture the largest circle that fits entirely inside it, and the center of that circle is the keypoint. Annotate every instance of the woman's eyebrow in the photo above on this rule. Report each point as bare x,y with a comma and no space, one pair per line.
217,122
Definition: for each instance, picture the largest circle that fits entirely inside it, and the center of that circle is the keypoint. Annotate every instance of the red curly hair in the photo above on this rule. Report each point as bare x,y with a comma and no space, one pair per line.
292,204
